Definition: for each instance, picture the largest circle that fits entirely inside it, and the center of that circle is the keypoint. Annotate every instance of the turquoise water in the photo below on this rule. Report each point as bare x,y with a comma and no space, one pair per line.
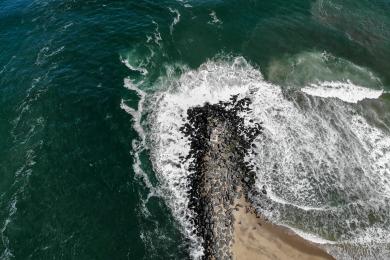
79,87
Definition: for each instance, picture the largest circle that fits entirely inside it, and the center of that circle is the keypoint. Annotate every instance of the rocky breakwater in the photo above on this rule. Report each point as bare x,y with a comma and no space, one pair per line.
219,175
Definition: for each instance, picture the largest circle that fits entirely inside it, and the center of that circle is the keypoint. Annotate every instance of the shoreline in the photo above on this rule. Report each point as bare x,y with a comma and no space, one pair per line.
219,143
220,184
257,238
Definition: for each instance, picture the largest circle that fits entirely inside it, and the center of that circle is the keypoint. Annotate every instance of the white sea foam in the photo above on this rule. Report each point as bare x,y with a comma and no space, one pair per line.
346,91
311,237
377,144
138,146
176,19
136,114
169,143
7,253
280,200
325,75
156,36
319,160
66,26
214,18
45,53
184,3
140,69
21,180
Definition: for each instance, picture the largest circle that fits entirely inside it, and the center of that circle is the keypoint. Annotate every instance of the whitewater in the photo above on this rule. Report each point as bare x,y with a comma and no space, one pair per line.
324,166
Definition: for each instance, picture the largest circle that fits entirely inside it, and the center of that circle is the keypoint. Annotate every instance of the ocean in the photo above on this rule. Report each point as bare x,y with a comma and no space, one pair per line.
93,95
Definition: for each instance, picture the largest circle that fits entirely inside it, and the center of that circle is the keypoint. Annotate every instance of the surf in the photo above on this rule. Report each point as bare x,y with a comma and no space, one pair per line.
312,146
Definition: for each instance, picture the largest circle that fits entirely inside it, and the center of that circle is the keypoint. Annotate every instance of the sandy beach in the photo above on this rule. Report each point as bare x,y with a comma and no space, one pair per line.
255,238
227,222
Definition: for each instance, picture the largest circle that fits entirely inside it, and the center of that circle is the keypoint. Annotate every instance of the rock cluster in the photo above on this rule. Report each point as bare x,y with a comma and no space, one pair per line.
219,176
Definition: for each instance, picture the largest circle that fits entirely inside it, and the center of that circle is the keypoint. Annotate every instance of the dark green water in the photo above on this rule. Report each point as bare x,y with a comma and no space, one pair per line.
68,188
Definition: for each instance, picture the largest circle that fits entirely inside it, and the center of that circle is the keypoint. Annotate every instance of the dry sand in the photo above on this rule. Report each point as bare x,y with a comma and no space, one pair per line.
255,238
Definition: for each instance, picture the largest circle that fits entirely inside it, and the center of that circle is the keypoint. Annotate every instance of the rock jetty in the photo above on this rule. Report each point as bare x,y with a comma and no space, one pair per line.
219,175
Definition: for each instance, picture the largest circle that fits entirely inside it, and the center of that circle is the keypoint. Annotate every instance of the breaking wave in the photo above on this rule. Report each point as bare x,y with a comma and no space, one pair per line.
324,167
346,91
324,75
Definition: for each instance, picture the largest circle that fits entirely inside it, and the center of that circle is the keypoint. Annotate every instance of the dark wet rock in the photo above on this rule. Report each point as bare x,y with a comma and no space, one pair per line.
219,142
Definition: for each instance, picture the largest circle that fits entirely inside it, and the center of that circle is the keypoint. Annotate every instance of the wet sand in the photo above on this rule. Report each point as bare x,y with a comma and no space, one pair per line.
255,238
220,185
